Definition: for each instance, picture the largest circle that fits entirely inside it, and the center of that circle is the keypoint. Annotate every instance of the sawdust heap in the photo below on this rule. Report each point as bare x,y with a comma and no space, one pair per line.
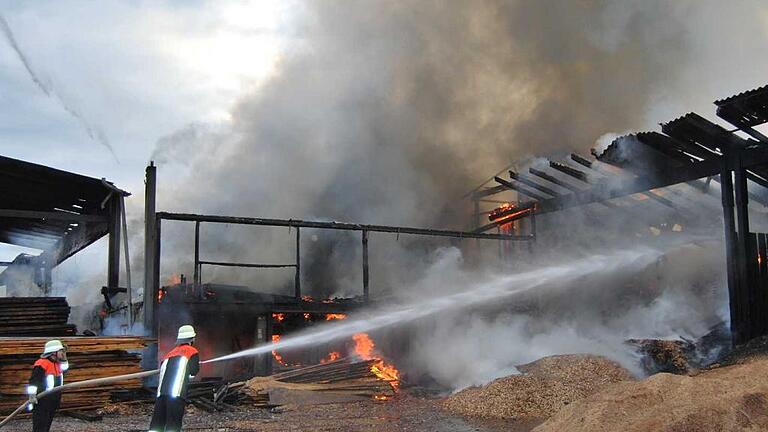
732,398
546,386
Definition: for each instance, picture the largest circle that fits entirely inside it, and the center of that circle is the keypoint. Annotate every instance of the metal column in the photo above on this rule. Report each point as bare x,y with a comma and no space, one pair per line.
196,276
297,281
113,262
150,249
365,266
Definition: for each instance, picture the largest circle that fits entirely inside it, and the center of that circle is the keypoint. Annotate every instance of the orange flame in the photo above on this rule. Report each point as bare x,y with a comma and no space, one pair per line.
331,357
307,316
279,317
307,298
335,316
365,348
278,358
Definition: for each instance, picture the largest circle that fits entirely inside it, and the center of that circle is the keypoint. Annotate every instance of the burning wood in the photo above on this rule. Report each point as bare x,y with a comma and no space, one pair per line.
342,376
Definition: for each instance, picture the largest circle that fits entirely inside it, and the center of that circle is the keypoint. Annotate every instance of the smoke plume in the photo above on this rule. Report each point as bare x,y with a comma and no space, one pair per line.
390,112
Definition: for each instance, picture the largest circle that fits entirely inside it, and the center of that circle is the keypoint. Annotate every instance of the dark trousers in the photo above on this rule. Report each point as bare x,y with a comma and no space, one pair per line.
168,414
42,415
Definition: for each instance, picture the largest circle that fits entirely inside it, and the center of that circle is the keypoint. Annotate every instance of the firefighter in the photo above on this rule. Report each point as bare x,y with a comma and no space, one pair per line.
178,366
47,373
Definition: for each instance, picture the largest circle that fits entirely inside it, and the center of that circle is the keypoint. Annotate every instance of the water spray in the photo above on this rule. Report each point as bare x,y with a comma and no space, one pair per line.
496,289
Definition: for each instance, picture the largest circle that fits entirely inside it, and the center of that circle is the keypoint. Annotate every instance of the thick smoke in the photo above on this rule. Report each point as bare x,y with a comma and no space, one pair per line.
389,112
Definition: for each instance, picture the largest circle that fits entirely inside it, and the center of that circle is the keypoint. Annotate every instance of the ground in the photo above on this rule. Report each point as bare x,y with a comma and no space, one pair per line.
404,413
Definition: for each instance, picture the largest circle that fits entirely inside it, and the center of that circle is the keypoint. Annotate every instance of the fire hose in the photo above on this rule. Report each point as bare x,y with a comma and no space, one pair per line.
86,383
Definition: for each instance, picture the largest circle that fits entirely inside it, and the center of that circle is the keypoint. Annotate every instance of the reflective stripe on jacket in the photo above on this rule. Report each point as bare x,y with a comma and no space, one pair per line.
46,374
178,366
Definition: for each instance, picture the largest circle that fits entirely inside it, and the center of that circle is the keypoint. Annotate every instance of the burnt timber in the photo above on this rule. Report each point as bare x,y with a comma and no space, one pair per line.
687,150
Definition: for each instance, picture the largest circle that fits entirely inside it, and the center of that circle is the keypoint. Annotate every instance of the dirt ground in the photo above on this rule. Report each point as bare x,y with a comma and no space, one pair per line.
403,413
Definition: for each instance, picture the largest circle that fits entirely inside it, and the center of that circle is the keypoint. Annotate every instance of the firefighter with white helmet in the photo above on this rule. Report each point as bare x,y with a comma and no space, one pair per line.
178,366
47,373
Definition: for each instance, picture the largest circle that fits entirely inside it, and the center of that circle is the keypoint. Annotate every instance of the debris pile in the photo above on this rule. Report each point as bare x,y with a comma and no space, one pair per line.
35,316
544,387
730,398
214,394
89,357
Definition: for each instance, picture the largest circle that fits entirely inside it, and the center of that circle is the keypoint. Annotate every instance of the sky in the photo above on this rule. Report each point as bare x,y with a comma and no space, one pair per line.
114,78
135,70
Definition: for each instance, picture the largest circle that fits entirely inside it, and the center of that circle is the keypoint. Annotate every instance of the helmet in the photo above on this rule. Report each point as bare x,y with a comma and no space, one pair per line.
52,346
186,332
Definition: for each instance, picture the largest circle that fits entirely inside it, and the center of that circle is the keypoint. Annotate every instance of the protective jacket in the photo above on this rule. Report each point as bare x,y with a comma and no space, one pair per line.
178,366
46,374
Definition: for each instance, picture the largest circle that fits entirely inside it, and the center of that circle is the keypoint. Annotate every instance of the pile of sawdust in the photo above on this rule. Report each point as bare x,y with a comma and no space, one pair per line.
732,398
545,387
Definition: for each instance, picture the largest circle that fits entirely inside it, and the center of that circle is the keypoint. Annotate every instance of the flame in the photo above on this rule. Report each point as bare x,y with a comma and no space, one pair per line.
335,316
381,397
160,294
331,357
759,259
307,316
307,298
365,348
279,317
278,358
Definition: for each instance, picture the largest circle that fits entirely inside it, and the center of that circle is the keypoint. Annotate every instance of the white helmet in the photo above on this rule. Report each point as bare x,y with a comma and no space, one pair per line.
52,346
186,332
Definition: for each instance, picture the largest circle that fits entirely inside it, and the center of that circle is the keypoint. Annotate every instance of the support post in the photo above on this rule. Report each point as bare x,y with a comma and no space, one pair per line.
743,258
150,258
196,279
729,225
297,282
129,286
365,267
113,263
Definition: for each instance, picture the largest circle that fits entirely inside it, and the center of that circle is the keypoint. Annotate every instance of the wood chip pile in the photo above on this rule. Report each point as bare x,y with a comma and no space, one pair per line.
89,357
35,316
544,387
664,355
343,376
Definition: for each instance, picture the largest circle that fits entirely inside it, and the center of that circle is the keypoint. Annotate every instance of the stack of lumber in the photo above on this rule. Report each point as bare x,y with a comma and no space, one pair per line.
35,316
89,358
344,376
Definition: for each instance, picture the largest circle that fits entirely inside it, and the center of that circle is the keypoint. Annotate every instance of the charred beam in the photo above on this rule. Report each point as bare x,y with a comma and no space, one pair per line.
520,188
344,226
247,265
553,180
488,192
529,182
567,170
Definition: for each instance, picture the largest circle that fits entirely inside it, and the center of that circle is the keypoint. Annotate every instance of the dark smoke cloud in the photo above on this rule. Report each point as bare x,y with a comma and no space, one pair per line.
388,112
94,132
